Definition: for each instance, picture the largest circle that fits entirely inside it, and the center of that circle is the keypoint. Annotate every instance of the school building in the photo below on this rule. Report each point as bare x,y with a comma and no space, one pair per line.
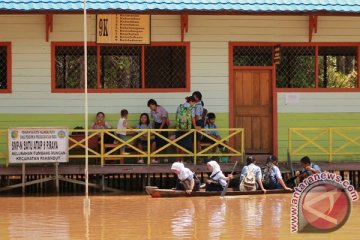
263,65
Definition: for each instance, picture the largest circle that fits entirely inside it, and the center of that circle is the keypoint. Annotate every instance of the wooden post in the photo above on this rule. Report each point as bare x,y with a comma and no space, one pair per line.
23,178
57,177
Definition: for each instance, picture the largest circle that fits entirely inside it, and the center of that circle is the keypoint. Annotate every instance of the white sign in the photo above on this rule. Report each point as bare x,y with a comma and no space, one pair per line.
38,145
292,98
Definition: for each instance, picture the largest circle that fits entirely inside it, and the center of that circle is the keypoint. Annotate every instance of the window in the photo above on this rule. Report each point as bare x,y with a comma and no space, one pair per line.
69,63
5,68
338,67
304,65
296,68
253,56
118,68
165,67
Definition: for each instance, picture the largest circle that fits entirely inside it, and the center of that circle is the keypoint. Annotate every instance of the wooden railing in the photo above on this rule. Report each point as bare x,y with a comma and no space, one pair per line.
331,144
231,144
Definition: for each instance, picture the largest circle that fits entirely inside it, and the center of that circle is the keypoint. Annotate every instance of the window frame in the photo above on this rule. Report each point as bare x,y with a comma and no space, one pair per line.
8,68
303,44
120,90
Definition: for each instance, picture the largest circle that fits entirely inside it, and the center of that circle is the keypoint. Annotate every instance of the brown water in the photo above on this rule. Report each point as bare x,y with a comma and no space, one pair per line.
141,217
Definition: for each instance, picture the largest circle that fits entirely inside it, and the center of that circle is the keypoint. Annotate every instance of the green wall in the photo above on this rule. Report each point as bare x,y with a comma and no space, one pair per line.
318,120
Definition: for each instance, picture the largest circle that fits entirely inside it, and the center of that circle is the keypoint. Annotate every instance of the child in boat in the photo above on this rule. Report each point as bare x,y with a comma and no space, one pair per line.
272,178
217,180
188,181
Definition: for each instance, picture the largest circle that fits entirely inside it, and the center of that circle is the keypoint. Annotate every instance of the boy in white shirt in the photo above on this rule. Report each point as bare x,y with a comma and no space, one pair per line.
122,124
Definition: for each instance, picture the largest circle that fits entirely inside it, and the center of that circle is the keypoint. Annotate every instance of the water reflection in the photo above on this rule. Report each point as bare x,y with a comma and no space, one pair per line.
141,217
182,223
217,219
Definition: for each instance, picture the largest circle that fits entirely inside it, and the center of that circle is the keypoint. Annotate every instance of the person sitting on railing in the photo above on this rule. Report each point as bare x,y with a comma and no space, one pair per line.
161,121
308,168
144,123
272,178
188,180
217,180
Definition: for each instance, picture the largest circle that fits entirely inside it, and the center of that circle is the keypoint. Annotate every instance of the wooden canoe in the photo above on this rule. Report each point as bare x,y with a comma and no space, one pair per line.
156,192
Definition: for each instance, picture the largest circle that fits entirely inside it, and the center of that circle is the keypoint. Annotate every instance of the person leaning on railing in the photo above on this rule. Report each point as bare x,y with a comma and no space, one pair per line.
161,121
142,141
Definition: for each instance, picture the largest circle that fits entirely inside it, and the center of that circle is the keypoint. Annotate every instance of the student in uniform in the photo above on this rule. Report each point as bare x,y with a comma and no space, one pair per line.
217,180
256,173
161,121
188,180
272,176
308,168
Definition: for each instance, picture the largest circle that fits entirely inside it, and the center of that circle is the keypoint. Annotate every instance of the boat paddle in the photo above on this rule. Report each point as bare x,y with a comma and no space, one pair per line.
227,184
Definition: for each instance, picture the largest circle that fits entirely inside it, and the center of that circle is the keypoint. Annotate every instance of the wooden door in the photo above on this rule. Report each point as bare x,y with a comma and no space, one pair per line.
253,108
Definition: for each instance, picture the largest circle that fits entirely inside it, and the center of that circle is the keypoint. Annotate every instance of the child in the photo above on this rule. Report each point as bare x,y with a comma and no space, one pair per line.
186,142
100,122
188,180
161,121
144,123
272,178
122,125
217,180
210,124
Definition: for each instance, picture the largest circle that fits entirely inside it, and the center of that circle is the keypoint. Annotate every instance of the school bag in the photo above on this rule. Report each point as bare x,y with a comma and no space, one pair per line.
267,175
184,118
249,181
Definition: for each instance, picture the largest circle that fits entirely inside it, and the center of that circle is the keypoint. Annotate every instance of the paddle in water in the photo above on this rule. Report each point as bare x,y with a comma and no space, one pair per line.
227,184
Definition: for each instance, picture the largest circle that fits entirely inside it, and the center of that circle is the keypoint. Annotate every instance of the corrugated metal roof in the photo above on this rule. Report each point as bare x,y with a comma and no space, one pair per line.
345,6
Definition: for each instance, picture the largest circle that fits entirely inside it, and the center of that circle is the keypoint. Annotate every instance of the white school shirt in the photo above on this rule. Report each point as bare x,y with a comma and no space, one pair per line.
121,125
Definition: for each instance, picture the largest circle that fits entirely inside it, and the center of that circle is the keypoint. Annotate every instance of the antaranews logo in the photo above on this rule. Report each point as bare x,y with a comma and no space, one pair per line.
321,203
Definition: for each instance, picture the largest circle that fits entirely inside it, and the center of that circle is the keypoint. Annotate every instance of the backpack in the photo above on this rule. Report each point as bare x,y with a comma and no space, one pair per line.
267,175
184,118
249,181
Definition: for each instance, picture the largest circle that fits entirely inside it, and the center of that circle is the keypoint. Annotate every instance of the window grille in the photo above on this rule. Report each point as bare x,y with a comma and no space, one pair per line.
69,64
3,67
337,67
122,67
165,67
253,56
296,68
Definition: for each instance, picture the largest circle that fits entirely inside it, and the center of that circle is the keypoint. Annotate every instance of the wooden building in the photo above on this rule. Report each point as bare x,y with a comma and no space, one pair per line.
260,65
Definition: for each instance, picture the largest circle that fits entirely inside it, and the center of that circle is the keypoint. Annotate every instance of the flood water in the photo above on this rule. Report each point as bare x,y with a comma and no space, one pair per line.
142,217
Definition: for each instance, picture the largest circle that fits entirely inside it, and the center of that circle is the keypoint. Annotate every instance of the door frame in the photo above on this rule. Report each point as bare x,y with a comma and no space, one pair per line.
232,68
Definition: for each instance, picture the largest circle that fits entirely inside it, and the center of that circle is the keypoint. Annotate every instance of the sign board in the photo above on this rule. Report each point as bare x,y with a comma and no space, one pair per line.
38,145
292,98
123,28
